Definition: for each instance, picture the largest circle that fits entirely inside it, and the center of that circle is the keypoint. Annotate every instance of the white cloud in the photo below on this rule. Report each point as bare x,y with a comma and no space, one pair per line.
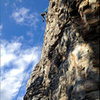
23,17
14,62
10,83
7,52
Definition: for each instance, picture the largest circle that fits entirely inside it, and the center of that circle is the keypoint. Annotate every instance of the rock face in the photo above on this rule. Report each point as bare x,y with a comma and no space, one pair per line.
69,64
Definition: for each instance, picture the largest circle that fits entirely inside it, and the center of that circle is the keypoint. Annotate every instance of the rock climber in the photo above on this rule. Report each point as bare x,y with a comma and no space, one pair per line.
44,14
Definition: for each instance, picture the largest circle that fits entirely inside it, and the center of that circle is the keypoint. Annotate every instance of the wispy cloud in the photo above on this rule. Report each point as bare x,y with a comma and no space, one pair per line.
20,0
23,17
6,4
14,61
30,34
1,27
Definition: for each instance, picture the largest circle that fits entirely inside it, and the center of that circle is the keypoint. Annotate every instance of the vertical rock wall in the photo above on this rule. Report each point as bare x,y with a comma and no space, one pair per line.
69,64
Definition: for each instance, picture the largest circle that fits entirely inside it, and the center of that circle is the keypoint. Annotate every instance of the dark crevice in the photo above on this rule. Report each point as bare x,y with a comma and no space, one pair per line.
53,4
58,60
91,36
51,50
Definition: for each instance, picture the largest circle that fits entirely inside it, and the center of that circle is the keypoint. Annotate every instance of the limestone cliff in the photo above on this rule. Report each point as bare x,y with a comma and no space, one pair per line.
69,64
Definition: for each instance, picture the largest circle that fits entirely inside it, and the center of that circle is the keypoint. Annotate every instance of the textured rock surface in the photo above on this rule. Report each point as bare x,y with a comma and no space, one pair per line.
69,64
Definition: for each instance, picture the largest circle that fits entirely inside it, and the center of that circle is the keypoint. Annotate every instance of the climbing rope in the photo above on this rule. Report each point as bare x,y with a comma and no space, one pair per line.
28,67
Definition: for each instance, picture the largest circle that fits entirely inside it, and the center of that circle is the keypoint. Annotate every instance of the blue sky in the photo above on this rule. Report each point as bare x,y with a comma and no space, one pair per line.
20,28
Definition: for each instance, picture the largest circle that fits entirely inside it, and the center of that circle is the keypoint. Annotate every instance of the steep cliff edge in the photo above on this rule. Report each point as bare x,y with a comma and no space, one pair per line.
69,64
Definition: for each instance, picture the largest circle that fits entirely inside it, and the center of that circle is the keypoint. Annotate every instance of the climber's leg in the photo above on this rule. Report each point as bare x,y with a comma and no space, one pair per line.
43,14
